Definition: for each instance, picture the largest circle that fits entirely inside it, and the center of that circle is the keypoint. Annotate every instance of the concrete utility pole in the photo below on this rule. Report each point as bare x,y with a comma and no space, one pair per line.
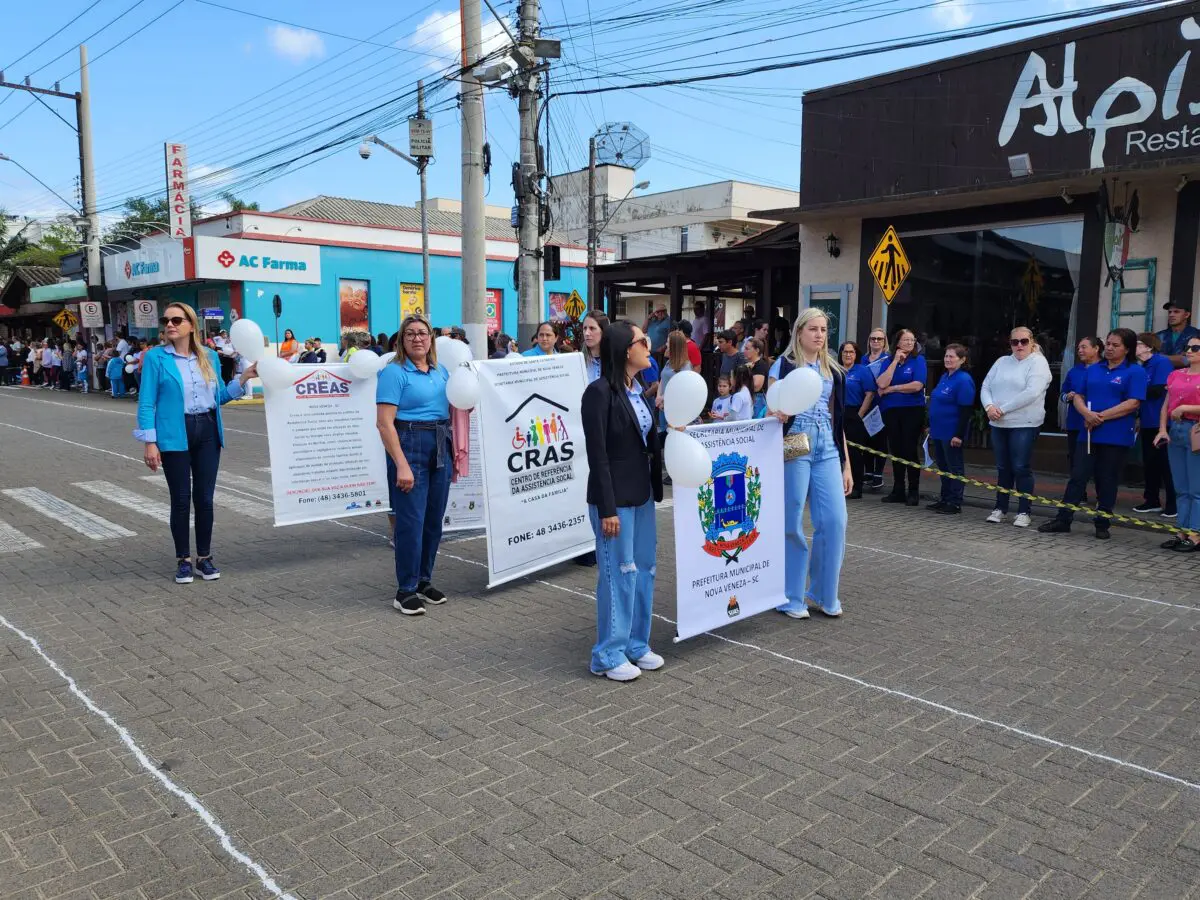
87,169
529,259
592,237
422,165
474,246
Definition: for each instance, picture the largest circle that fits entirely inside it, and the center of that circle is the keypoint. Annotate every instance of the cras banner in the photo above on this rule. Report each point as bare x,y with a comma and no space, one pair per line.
535,467
729,531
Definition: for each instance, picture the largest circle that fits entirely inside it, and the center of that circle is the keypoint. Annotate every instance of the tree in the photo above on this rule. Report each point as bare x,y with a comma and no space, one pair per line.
238,205
11,248
138,211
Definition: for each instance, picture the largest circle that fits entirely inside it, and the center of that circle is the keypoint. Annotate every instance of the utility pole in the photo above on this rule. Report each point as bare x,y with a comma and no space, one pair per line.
422,165
87,170
529,259
592,237
474,248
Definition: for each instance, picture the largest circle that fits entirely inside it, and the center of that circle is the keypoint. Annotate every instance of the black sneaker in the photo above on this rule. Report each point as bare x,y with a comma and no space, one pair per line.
1172,542
430,594
410,604
912,500
1147,508
1102,534
1054,526
892,498
854,495
936,505
950,509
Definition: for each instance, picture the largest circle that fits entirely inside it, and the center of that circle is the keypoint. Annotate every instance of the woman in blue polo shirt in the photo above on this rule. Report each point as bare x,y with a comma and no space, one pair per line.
179,421
1112,392
546,337
1087,352
902,400
860,394
950,405
1157,470
878,357
413,418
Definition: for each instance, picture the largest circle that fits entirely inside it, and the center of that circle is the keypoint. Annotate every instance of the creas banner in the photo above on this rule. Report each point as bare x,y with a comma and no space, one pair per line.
729,539
534,463
327,461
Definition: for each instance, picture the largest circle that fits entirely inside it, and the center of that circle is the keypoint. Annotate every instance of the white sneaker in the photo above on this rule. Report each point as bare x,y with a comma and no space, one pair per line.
1022,520
626,671
651,661
996,517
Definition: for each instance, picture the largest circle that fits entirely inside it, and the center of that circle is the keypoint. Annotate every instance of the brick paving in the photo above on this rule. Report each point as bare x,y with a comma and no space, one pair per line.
355,753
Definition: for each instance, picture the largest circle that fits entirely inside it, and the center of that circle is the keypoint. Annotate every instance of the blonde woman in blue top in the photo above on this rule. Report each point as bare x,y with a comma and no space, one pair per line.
179,421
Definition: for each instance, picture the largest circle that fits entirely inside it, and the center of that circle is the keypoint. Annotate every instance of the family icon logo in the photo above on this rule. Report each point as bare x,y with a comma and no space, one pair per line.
542,445
322,383
729,504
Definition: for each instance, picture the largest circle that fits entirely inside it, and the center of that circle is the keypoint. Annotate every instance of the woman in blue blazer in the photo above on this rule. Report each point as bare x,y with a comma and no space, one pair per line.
179,421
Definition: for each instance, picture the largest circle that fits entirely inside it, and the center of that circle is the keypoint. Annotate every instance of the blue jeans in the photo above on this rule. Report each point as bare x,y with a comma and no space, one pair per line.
420,512
817,480
949,459
1014,468
192,479
1185,470
625,586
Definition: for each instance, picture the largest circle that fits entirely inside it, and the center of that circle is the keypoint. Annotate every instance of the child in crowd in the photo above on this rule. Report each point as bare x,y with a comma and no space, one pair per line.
741,401
81,367
722,405
115,370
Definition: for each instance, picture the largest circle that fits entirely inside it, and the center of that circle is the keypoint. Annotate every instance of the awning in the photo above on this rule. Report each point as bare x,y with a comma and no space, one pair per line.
25,310
65,290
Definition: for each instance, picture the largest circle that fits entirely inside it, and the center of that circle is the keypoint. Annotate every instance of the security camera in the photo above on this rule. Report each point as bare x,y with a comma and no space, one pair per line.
364,150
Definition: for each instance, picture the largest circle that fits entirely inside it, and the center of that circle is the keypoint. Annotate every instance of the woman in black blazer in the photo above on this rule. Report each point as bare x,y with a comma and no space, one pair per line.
624,482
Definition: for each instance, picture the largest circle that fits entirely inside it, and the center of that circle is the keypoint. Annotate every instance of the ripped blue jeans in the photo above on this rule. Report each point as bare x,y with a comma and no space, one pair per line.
625,586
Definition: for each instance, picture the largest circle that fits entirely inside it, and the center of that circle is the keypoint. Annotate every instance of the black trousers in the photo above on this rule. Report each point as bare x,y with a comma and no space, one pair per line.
874,464
856,433
192,481
1103,465
1158,471
904,424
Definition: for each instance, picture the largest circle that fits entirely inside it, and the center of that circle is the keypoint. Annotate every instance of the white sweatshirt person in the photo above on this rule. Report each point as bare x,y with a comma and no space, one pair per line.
1017,387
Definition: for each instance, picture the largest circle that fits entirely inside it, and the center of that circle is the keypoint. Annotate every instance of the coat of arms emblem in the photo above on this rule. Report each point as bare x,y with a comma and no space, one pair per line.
729,504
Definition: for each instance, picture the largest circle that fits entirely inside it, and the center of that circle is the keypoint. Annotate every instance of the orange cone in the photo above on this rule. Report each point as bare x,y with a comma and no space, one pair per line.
24,377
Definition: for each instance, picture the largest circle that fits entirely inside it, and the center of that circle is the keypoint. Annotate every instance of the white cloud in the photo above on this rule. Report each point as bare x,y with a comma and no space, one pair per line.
295,44
952,13
440,36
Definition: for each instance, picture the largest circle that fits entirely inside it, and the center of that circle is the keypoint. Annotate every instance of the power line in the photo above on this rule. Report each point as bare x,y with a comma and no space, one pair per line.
30,52
105,26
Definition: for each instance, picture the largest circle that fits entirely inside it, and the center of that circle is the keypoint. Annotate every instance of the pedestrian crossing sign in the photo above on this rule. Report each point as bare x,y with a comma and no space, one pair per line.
574,306
66,320
889,264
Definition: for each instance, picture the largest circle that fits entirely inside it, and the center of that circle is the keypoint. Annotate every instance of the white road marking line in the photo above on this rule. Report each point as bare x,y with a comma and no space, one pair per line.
241,481
153,770
266,469
902,695
68,515
666,503
55,437
238,504
1046,581
14,541
128,499
129,414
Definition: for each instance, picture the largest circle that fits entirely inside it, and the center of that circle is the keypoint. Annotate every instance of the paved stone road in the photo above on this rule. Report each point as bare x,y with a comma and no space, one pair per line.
999,715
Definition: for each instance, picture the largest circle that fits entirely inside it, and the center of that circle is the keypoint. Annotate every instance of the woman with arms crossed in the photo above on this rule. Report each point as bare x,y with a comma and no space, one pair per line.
624,482
902,401
179,421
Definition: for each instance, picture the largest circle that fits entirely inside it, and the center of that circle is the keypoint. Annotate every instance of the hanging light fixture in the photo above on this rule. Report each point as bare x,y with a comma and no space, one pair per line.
831,244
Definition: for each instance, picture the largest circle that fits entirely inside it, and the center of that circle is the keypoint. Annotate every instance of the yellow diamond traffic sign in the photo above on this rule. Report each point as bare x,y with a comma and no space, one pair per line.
574,306
66,320
889,264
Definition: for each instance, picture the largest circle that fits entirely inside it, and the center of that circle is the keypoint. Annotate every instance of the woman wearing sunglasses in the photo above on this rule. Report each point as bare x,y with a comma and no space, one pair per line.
179,421
1014,396
1178,420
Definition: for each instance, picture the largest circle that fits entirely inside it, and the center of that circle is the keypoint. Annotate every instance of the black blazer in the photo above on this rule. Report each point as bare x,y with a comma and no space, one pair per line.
837,405
624,470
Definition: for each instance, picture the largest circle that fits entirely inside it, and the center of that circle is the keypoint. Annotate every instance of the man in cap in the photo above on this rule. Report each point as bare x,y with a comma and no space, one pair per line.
1177,333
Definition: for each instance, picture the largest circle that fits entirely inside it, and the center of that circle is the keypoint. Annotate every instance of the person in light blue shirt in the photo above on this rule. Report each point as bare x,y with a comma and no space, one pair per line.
179,421
413,418
546,337
950,405
1156,468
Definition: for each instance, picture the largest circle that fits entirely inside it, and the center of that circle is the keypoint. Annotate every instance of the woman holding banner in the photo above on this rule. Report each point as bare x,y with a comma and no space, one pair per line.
413,418
624,482
819,475
179,421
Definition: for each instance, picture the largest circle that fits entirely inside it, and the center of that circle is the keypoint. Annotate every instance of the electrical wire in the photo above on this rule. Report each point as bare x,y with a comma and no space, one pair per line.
109,24
69,23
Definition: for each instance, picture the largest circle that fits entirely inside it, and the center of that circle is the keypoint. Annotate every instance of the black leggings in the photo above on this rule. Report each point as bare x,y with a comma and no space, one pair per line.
856,433
904,424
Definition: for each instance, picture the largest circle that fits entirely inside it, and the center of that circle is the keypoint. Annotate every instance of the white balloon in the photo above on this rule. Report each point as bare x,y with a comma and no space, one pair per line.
129,358
386,358
130,368
686,395
773,396
688,463
462,390
276,373
247,339
800,392
452,353
364,364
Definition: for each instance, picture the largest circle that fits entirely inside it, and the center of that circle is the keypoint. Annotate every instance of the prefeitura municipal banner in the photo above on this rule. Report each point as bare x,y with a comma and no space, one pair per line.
327,461
464,509
534,463
729,531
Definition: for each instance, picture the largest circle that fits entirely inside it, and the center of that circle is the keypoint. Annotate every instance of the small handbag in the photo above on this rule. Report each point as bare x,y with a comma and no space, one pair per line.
797,445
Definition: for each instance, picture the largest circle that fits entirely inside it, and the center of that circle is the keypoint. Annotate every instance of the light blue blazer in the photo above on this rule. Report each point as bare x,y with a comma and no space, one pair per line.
160,400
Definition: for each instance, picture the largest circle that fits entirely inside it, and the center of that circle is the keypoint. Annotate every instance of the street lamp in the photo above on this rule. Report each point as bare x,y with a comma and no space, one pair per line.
596,229
421,163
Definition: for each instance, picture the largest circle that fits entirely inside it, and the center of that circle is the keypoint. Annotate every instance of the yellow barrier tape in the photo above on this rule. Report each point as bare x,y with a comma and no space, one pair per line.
1085,510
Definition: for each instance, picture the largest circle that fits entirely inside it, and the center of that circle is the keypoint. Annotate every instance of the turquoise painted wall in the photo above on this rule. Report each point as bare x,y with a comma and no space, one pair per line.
312,310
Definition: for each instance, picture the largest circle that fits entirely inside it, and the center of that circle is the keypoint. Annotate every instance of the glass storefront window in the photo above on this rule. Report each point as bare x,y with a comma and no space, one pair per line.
973,287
